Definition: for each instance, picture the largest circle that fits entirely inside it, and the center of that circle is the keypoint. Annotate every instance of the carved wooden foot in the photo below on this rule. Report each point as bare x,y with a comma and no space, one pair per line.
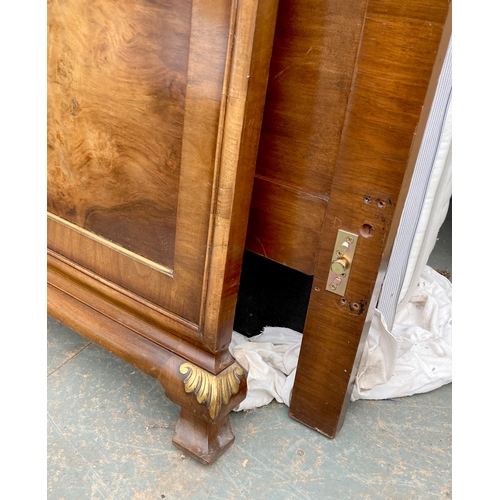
206,386
204,441
203,430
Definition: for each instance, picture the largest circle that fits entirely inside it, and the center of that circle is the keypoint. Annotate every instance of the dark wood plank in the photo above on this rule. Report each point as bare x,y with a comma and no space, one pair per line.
397,69
285,224
310,77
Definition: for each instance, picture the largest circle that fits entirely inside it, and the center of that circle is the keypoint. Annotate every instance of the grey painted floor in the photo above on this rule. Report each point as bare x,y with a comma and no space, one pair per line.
110,429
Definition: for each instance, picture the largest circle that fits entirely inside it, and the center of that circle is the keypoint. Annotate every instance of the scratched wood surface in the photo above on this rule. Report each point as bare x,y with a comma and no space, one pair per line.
309,82
117,74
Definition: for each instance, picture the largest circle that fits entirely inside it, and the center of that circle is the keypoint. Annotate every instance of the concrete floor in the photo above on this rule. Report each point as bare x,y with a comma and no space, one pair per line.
110,429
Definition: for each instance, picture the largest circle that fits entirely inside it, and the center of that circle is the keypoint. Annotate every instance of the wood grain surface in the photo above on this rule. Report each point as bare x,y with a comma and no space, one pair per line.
312,67
117,74
285,224
155,109
227,47
400,57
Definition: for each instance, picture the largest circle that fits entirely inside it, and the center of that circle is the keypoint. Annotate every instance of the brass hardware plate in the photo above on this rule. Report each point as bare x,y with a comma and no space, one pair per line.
340,266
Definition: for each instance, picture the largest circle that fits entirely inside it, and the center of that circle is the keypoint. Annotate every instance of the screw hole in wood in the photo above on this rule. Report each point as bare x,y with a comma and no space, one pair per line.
366,230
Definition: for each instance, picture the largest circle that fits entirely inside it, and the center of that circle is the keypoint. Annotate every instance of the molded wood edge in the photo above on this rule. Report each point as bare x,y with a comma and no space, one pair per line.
142,354
134,317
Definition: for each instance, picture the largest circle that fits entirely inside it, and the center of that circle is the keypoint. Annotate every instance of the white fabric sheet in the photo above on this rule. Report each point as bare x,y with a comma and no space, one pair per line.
415,357
412,357
270,360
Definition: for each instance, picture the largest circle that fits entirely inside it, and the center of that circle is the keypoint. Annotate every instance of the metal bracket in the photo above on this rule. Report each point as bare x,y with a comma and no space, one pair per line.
340,267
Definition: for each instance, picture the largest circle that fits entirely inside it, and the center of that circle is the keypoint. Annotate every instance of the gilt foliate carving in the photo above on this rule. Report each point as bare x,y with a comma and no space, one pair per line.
212,390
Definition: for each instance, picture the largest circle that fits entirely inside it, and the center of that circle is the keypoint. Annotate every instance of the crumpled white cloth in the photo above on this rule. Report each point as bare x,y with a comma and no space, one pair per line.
270,360
414,358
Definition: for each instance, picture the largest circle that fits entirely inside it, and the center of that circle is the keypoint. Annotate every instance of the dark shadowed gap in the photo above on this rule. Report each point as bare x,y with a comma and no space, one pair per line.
270,294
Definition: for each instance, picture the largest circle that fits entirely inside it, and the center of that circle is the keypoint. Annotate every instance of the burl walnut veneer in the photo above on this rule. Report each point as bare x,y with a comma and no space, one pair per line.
154,114
154,121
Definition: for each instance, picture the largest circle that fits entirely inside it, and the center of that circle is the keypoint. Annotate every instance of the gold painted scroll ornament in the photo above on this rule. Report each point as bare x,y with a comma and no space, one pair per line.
212,390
